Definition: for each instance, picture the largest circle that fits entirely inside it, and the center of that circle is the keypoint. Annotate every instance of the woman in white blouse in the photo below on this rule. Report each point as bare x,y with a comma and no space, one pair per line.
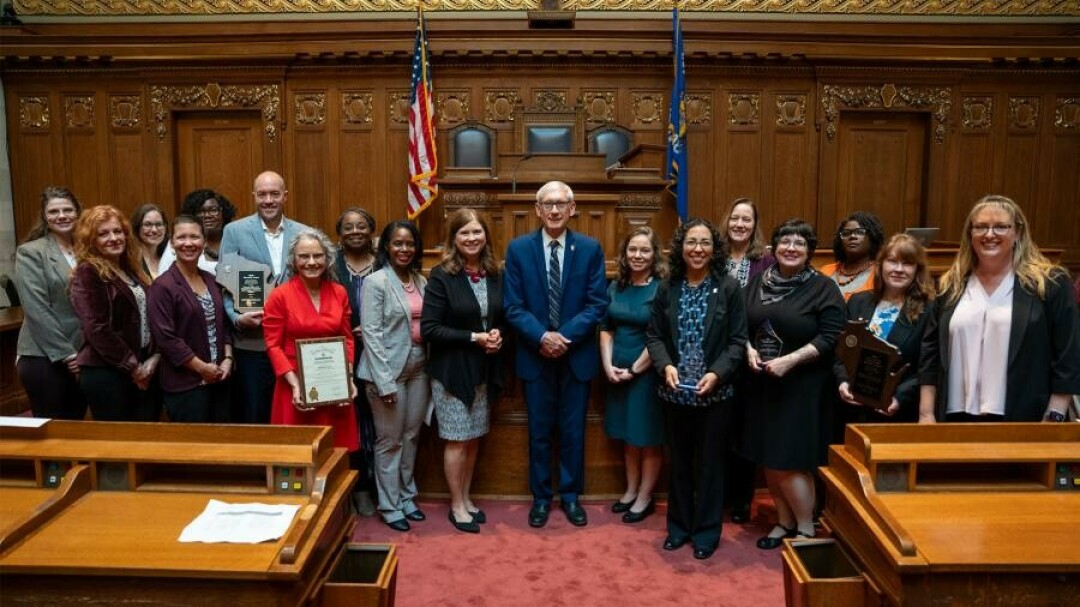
1003,343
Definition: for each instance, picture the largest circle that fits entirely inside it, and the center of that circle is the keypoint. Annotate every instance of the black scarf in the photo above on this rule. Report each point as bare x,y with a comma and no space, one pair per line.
774,287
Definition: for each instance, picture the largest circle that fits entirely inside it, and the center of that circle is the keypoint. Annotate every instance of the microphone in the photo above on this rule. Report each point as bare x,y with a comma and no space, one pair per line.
513,173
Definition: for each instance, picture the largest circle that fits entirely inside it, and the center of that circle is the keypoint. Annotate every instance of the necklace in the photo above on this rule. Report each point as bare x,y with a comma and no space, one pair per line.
410,287
476,275
842,274
358,271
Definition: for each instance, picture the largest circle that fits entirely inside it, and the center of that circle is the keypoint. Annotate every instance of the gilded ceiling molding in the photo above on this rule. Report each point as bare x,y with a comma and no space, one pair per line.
165,99
936,100
996,8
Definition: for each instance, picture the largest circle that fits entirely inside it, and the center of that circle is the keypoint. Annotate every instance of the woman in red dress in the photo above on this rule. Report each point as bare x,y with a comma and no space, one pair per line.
309,306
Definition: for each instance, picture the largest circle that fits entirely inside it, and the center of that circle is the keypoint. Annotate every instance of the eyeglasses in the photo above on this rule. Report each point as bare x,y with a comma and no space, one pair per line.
554,204
792,244
209,211
860,232
1000,229
693,244
152,225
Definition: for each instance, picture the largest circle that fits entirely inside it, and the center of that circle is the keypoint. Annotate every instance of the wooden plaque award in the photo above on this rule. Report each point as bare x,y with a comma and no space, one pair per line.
871,365
250,282
323,368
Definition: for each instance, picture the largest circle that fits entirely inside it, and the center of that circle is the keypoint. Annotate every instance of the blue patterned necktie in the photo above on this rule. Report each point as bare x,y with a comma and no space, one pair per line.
554,286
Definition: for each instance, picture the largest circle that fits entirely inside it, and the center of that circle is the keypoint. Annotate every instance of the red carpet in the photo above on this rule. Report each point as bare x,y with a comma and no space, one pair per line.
606,563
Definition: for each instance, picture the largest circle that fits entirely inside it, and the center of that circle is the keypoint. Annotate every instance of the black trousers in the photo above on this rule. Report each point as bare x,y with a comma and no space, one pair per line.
52,389
114,397
201,405
698,443
253,385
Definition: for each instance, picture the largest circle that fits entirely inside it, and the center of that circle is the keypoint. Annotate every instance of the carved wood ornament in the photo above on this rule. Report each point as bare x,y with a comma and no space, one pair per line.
936,100
265,97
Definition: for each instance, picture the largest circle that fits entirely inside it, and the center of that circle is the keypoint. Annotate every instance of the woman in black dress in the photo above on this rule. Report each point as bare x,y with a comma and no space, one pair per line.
794,315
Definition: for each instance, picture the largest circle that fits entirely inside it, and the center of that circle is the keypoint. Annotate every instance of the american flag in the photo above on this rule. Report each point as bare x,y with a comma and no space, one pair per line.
423,162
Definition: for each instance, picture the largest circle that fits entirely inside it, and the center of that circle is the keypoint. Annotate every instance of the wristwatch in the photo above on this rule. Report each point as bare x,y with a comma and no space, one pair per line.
1054,416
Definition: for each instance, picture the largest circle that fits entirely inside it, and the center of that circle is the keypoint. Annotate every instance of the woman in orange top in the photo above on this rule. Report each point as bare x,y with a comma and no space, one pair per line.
858,239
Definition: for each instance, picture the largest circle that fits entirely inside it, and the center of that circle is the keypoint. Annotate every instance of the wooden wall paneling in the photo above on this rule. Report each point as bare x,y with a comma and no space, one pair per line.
743,149
971,159
355,157
36,152
1056,214
1021,151
79,112
308,146
221,150
789,172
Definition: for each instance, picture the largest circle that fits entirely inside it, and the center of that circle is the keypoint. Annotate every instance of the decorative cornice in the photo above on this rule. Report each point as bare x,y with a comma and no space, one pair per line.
980,8
164,99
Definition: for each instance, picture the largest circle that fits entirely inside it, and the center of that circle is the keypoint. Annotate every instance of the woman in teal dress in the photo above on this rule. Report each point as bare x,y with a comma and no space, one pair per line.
632,413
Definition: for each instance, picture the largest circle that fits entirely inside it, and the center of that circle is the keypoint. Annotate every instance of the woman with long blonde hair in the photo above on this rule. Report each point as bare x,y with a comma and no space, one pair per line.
117,361
1003,344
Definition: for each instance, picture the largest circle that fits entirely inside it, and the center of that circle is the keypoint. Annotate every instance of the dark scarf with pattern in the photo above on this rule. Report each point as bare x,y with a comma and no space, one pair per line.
774,287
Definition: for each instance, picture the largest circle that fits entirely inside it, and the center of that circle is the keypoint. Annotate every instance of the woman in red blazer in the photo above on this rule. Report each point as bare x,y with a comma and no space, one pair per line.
109,294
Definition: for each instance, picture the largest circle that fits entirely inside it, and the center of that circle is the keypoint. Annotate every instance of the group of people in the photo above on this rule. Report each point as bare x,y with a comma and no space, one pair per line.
723,353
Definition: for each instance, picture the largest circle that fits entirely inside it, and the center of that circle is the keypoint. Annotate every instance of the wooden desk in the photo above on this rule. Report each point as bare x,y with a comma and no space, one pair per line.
959,514
107,532
13,399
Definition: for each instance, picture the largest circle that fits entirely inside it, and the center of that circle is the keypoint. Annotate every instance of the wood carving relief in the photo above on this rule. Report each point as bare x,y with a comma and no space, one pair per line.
744,109
936,100
499,105
399,108
1023,113
125,111
34,113
648,107
698,109
551,101
265,97
465,199
79,112
1067,113
452,106
356,108
309,109
977,113
640,200
791,110
599,106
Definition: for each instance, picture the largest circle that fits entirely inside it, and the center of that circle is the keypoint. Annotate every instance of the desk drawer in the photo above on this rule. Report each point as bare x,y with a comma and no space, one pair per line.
362,575
817,573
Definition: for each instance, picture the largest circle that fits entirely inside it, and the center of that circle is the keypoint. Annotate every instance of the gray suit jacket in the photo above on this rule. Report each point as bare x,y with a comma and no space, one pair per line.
384,321
245,237
50,327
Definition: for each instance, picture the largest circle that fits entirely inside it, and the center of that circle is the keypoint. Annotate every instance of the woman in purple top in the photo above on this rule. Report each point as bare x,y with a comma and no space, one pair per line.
188,321
748,256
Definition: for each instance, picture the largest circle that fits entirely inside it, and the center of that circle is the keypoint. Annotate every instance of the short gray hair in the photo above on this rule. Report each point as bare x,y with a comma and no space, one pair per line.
554,186
324,242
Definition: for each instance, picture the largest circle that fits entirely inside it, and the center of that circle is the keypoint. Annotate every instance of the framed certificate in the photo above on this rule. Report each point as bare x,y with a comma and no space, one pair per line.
323,368
871,364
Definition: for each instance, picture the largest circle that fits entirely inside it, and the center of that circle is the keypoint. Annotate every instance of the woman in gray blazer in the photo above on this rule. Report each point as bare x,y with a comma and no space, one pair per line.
392,364
51,333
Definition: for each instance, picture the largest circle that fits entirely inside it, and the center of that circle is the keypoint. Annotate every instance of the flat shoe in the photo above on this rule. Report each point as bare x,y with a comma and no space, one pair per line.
620,506
399,525
636,517
672,543
538,514
575,514
416,515
701,553
478,516
470,527
772,543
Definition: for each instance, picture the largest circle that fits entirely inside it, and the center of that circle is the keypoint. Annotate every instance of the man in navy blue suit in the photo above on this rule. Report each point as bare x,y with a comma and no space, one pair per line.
555,293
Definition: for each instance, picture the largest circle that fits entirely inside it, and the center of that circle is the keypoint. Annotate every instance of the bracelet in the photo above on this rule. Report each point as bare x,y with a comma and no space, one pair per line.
1055,416
228,357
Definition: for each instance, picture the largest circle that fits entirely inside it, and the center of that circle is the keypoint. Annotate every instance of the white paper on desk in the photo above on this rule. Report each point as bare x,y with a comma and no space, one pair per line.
19,421
221,522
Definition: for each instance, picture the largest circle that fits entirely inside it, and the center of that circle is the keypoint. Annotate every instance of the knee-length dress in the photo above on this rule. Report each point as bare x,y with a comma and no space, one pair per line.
290,315
785,420
632,411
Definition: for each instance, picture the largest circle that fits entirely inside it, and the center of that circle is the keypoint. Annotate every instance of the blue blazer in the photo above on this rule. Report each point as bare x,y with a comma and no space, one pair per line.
584,301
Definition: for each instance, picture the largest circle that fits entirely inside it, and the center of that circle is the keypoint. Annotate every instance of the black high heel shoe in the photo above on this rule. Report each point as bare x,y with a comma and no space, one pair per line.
619,507
772,543
637,517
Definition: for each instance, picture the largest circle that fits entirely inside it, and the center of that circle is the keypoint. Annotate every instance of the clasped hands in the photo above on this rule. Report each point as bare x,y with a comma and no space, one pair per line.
553,344
143,372
490,341
705,385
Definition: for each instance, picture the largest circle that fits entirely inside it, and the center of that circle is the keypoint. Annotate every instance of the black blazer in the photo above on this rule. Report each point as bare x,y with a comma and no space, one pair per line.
905,335
1044,351
724,346
450,316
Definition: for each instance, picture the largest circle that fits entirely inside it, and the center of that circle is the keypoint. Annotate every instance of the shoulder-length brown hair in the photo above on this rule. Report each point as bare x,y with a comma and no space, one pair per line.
921,290
452,261
659,266
756,247
41,228
86,248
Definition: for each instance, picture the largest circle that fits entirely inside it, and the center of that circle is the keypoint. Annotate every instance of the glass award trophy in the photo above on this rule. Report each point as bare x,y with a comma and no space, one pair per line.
767,343
691,369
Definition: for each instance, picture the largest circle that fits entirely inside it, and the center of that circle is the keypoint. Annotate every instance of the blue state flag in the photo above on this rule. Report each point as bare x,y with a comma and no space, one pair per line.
676,131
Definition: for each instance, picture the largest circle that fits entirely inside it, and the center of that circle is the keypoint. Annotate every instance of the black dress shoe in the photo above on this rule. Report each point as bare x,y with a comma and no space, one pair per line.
620,506
674,543
772,543
575,514
701,552
740,514
538,514
399,525
478,516
416,515
470,527
637,517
